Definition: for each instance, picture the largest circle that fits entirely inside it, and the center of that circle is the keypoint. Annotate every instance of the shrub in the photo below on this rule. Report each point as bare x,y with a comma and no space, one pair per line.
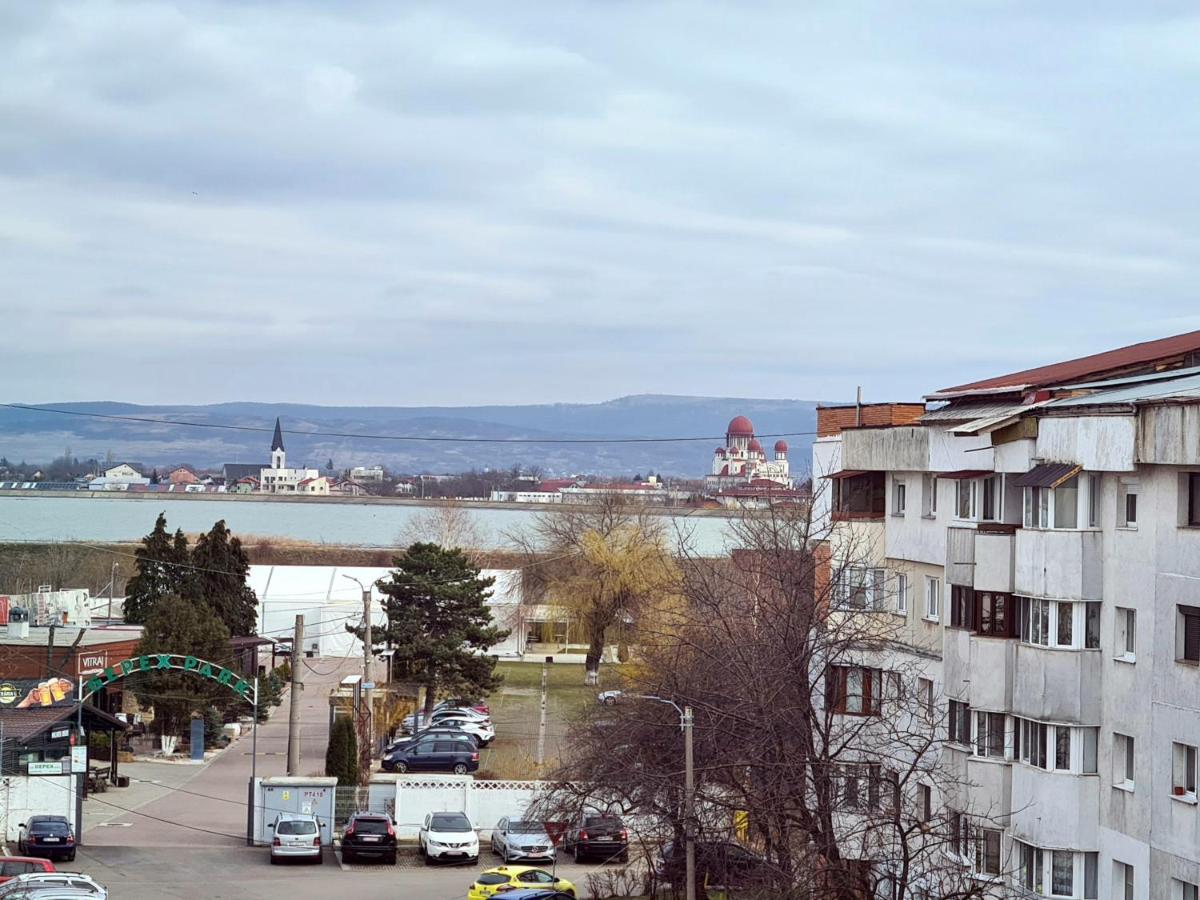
341,756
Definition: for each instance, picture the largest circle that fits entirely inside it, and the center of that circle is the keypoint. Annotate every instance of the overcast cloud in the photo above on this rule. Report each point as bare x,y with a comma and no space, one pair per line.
395,203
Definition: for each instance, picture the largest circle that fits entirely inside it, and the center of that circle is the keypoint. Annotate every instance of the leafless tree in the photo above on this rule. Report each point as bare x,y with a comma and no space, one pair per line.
448,524
813,743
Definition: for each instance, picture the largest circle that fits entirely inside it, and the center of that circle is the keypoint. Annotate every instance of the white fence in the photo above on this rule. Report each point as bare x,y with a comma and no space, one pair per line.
415,796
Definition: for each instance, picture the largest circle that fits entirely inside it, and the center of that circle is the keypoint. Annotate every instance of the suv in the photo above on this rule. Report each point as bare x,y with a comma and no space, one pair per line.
48,836
448,836
598,836
369,834
433,756
297,836
717,863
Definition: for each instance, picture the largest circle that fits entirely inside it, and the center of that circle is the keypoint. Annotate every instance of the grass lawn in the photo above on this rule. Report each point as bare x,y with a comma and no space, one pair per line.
516,710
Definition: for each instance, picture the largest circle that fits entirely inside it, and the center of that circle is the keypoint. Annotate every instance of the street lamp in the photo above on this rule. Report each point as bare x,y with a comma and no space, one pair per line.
689,789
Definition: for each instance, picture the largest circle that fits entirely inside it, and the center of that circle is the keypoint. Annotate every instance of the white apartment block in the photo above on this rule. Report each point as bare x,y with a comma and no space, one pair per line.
1038,536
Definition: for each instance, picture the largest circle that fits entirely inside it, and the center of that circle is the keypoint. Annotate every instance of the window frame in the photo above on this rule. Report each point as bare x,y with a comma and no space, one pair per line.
990,738
933,597
929,486
987,863
1127,502
899,497
870,690
1124,755
962,606
958,718
1183,771
1126,634
1187,634
901,593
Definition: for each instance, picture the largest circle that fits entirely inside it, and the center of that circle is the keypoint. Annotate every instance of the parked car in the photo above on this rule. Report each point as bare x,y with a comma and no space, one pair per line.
369,835
49,836
483,731
433,756
448,836
597,836
296,836
453,734
522,839
12,866
53,885
721,863
416,720
507,879
479,706
537,894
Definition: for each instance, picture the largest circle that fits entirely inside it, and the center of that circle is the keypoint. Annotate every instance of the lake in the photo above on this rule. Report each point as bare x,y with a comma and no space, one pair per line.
109,519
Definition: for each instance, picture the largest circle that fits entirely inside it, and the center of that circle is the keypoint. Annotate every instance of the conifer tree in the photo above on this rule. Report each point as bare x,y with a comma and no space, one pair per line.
218,578
161,570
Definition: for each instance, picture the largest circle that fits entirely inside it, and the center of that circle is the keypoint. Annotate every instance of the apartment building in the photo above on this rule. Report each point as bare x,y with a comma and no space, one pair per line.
1038,536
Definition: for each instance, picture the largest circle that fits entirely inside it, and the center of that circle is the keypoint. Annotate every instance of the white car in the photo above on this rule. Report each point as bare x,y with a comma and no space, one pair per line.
417,720
74,882
448,837
296,836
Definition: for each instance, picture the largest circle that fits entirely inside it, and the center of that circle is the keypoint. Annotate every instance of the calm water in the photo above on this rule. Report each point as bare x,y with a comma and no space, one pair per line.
94,518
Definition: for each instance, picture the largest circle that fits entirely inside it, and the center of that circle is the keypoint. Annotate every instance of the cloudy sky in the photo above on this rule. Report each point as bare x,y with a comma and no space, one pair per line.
396,203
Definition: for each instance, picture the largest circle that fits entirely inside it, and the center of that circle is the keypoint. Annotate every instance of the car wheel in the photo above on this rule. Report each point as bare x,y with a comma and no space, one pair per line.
460,768
400,768
428,860
610,701
71,856
274,860
320,859
390,859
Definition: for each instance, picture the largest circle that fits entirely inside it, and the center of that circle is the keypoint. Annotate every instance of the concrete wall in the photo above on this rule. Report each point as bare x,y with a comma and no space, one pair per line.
1055,809
32,795
914,536
994,561
1057,685
1098,443
1169,435
1065,565
888,449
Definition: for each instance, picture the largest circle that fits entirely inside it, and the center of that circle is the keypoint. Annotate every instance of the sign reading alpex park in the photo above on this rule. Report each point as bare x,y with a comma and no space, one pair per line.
158,662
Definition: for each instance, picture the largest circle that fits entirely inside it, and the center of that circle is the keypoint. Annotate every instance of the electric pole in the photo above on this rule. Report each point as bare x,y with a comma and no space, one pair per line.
689,801
368,684
541,744
293,747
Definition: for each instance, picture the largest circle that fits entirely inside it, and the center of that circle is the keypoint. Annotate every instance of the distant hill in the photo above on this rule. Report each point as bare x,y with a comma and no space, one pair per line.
40,436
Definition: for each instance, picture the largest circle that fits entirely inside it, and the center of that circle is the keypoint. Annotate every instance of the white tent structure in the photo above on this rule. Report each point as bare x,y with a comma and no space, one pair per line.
330,599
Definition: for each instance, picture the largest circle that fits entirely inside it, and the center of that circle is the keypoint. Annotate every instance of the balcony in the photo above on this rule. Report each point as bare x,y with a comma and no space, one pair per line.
991,786
1057,685
994,557
1064,565
858,496
992,670
960,556
894,449
1055,809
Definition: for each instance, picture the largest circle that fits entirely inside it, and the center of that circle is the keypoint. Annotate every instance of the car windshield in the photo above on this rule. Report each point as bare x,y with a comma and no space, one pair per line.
526,827
602,822
455,822
492,878
371,826
59,828
296,826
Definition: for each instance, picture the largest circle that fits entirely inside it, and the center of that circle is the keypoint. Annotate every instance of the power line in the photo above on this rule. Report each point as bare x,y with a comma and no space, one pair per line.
385,437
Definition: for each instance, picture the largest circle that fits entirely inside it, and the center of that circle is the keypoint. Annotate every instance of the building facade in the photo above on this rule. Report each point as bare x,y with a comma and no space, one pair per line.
278,478
742,461
1038,536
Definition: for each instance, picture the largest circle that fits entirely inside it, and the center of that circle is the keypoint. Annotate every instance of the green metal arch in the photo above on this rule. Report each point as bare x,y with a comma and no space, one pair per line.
166,662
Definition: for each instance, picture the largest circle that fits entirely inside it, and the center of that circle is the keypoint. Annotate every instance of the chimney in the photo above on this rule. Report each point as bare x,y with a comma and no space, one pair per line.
18,623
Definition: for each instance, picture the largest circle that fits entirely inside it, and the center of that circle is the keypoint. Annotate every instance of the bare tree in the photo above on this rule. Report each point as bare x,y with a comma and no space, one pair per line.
813,744
448,525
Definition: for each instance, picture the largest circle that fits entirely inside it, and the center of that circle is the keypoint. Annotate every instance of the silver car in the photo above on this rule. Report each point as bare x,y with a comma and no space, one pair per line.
297,836
53,885
515,839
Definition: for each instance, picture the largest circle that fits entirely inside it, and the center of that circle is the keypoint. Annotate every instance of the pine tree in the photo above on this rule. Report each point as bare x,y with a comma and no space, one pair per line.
161,571
218,578
341,756
439,621
154,476
174,625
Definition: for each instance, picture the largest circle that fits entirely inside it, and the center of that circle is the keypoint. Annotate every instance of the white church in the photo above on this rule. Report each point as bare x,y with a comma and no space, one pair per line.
279,479
743,462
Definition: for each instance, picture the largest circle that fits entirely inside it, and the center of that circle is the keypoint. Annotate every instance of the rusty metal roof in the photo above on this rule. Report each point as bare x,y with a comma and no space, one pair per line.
1115,361
1047,475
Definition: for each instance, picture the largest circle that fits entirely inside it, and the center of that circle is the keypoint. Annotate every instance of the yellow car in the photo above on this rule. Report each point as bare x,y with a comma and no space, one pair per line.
503,879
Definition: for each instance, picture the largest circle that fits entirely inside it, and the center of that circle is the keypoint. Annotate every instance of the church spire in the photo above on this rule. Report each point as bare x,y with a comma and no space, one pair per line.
277,441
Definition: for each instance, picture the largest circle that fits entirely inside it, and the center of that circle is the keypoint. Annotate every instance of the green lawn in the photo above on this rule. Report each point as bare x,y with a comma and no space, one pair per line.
516,711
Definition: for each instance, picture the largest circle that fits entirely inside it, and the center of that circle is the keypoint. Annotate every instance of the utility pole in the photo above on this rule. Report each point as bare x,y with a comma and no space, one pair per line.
112,580
368,684
293,748
541,744
689,801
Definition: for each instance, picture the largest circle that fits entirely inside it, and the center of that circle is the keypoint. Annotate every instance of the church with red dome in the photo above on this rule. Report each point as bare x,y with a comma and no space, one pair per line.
742,461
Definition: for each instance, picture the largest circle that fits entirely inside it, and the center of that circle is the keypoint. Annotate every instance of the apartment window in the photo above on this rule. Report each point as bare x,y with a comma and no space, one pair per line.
992,499
1122,881
1029,867
899,497
925,803
960,834
1037,507
1091,626
933,597
1122,761
1062,873
901,593
993,614
962,606
854,690
1091,865
987,851
1091,740
1031,742
925,696
861,588
1183,770
1066,504
1062,748
1066,618
960,722
1127,503
1192,485
1187,634
1056,748
965,492
1058,623
1184,890
989,734
1126,634
929,485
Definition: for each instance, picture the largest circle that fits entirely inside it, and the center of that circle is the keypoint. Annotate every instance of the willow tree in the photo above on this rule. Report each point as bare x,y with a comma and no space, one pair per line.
604,565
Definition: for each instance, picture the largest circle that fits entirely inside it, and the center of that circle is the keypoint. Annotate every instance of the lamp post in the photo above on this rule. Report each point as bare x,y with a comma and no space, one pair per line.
689,790
112,580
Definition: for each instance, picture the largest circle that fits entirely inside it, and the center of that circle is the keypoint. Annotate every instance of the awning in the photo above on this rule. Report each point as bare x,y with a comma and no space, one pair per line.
847,473
963,473
1047,475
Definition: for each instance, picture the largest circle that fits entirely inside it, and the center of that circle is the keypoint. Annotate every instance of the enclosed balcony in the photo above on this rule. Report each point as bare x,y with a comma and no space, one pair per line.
858,495
1055,809
1066,564
1053,685
994,557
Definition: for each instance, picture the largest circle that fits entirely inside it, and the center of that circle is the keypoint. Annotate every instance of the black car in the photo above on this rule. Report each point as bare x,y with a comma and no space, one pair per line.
721,863
48,836
369,835
448,755
595,836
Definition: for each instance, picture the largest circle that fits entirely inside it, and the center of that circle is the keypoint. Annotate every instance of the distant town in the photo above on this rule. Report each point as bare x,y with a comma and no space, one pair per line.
741,477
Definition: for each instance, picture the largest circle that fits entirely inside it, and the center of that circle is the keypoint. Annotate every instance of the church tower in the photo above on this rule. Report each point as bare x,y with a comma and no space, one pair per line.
278,456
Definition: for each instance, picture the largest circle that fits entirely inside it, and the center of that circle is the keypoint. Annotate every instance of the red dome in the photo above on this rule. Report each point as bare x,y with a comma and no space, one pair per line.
740,425
720,451
755,446
781,446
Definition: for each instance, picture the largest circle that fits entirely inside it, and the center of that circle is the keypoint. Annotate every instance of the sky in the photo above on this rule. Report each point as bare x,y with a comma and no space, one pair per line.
519,202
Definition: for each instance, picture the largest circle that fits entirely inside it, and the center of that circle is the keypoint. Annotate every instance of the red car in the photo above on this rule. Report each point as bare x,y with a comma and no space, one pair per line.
12,866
